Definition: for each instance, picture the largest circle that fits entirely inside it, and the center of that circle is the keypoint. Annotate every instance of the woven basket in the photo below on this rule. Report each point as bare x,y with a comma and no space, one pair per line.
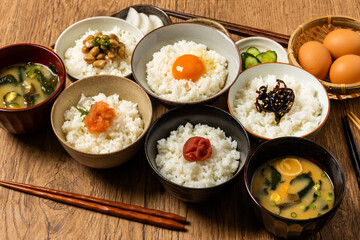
316,29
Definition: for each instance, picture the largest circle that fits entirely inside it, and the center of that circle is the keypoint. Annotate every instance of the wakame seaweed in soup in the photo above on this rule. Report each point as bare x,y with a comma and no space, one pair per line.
294,188
25,85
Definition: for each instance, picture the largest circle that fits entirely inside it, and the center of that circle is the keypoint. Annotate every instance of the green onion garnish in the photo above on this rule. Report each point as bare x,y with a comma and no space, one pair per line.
293,214
323,174
312,206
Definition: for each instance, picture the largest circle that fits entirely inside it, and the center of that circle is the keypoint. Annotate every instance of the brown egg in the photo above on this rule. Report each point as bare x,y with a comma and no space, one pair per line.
315,58
345,69
341,42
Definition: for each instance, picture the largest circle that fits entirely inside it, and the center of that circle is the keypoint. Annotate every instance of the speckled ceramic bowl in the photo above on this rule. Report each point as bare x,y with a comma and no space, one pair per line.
204,114
101,23
303,148
91,86
280,70
31,119
211,37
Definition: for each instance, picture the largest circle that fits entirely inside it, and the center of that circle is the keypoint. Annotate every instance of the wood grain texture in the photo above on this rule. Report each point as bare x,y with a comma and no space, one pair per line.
39,159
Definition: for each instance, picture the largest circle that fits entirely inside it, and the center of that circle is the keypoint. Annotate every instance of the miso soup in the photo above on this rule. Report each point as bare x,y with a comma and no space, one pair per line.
293,187
25,85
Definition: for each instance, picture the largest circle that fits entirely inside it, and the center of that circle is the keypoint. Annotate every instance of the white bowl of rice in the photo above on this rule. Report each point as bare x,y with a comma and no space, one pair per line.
101,120
308,113
191,177
186,63
70,43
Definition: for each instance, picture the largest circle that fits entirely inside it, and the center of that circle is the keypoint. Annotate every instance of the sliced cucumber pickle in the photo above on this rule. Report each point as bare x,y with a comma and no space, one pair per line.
248,60
253,51
268,56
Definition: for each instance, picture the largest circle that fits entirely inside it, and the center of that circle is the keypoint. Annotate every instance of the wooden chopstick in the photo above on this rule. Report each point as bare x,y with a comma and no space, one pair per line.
131,212
354,152
354,119
238,29
124,206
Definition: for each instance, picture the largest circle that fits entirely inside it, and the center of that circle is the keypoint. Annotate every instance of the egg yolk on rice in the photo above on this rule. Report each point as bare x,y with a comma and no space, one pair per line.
189,67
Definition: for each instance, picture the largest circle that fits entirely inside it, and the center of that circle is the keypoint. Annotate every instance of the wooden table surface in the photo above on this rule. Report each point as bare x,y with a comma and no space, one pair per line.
39,159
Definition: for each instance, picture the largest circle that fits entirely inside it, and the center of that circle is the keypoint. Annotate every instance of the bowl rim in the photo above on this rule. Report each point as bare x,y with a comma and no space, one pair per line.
299,221
302,136
177,103
64,142
56,92
75,24
209,107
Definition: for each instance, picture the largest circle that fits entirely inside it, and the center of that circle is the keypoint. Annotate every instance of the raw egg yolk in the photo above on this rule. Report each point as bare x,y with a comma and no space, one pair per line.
188,67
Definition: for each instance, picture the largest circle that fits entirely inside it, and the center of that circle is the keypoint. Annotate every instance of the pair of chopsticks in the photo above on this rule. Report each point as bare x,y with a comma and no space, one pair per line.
354,152
123,210
237,29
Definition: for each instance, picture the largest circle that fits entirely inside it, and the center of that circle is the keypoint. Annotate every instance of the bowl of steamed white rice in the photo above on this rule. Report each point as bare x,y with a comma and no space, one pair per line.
256,100
101,120
71,46
186,63
196,151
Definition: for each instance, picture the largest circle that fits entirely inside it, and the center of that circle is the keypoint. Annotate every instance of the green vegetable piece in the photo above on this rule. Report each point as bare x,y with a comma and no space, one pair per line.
46,84
82,111
253,51
53,68
323,174
248,60
315,197
326,207
13,106
307,188
10,97
293,214
312,206
275,178
329,199
96,41
268,56
9,78
330,193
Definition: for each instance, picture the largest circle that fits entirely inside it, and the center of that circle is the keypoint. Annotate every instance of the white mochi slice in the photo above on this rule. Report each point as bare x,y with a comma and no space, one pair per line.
133,17
146,25
156,21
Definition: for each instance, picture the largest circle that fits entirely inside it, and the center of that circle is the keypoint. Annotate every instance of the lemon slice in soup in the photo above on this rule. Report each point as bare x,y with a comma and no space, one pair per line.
289,167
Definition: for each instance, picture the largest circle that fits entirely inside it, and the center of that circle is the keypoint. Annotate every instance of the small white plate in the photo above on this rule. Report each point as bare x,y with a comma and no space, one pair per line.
263,44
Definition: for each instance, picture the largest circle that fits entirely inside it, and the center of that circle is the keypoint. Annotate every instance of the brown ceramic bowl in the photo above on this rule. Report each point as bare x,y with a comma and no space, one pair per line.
91,86
298,147
31,119
194,114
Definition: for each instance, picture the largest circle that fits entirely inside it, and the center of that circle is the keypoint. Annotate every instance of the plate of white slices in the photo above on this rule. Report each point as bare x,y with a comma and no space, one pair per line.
145,17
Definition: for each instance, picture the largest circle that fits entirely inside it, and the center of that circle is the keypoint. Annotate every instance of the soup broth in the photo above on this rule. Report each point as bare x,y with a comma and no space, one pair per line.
293,188
26,85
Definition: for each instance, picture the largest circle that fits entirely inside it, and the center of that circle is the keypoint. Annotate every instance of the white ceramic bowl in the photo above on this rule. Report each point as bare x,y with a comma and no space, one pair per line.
280,70
101,23
199,33
263,44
